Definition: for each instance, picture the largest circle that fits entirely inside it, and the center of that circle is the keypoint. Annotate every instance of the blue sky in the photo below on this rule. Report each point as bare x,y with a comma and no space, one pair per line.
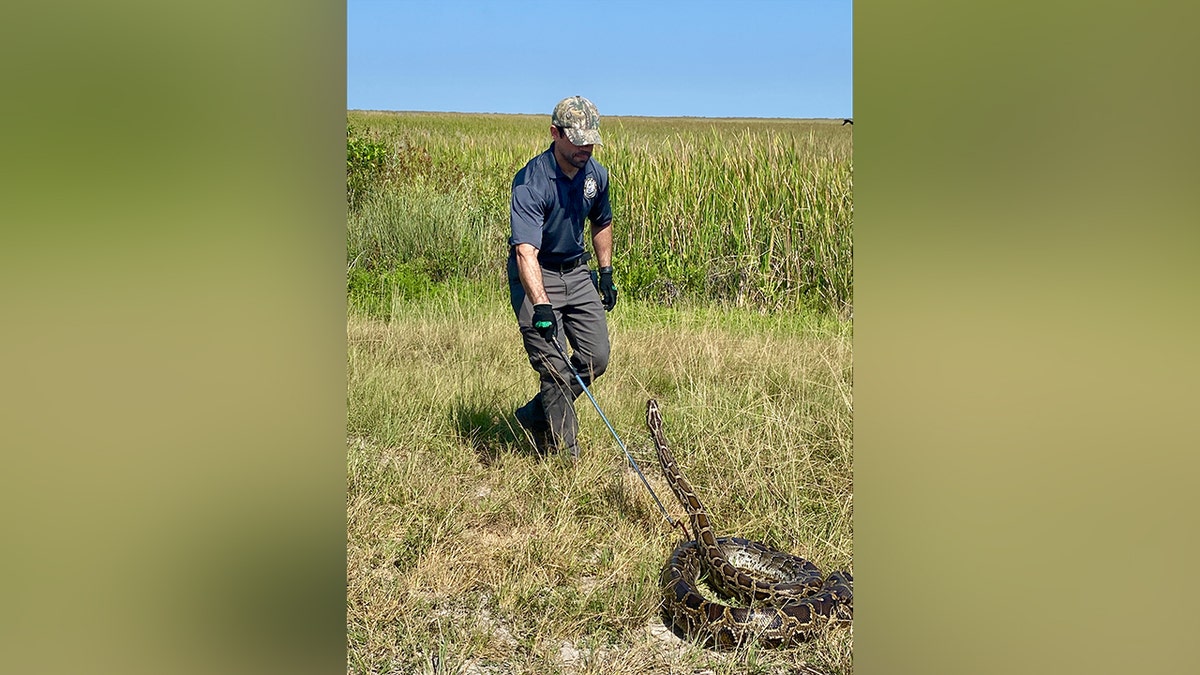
756,58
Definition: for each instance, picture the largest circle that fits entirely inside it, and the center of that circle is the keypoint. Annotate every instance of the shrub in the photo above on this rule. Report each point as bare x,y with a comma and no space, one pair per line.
370,163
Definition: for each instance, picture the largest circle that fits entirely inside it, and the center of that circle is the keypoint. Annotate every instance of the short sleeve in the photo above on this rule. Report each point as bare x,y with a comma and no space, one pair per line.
526,215
601,213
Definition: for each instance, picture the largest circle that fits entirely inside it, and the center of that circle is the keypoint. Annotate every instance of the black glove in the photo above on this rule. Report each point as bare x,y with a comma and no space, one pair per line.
608,292
543,321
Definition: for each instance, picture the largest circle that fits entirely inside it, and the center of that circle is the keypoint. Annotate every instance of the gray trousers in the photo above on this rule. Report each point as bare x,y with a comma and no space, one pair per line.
581,321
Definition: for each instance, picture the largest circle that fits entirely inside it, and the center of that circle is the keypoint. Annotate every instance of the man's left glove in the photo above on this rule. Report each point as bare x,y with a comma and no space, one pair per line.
608,291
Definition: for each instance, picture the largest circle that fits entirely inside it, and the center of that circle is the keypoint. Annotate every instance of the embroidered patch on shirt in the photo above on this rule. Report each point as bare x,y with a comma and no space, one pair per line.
589,187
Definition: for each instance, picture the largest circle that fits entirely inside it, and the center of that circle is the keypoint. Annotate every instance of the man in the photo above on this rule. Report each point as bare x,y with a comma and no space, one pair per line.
549,283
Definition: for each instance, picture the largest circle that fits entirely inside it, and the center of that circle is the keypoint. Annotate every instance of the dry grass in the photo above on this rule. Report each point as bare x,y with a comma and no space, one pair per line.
468,554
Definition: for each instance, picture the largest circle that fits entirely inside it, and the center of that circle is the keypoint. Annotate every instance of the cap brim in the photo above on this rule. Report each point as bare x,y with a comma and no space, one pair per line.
584,136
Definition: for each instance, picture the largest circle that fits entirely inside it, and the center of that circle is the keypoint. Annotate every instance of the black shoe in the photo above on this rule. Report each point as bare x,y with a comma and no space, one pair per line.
543,440
532,417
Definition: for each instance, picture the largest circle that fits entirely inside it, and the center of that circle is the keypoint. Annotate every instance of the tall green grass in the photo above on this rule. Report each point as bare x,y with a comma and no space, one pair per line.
752,213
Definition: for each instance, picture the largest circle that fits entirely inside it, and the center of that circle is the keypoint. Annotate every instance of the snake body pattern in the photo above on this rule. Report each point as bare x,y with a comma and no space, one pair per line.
785,598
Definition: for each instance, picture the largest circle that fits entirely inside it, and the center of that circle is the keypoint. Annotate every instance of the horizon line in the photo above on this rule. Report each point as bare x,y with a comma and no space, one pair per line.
705,117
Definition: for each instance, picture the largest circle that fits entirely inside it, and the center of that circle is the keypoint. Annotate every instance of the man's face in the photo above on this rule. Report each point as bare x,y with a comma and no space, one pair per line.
575,155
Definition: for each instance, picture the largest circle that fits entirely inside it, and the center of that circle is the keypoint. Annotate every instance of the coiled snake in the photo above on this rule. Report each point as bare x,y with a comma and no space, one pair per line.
785,597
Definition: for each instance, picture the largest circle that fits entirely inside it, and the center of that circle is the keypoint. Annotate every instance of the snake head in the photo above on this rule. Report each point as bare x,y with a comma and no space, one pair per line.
653,417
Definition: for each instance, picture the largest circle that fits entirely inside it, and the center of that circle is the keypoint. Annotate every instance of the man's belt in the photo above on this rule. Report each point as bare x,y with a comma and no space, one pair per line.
565,266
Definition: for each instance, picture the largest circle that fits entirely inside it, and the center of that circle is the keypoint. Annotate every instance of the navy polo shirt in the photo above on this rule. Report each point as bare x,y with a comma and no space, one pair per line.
548,209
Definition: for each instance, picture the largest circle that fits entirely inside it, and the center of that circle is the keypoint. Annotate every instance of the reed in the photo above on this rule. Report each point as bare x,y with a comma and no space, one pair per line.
734,212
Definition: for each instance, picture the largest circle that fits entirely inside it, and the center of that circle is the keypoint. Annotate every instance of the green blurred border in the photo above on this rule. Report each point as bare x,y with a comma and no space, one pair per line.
1026,293
174,361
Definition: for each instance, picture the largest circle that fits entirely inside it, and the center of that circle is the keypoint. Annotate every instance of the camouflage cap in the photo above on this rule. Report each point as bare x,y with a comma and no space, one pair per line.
580,119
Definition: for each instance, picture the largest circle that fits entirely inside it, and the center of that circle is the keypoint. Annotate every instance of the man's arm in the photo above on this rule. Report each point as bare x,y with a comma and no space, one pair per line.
602,244
531,273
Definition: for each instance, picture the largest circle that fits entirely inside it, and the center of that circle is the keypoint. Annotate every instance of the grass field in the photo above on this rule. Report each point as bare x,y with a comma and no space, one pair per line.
744,213
466,553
